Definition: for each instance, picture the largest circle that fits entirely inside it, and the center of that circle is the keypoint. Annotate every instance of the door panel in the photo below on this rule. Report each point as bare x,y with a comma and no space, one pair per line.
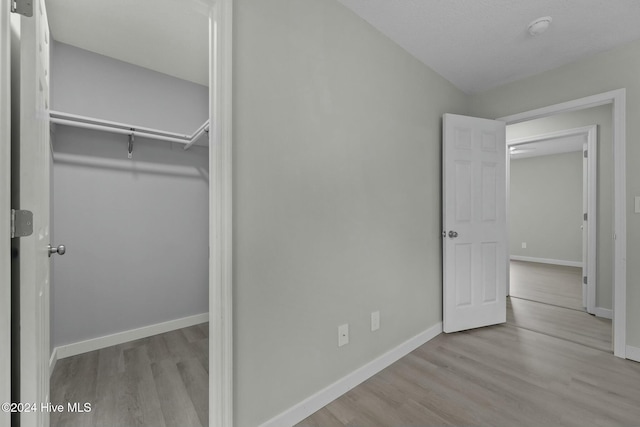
474,219
5,206
33,174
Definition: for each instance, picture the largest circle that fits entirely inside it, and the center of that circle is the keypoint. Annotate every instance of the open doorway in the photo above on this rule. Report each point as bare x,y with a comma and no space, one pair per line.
130,189
33,357
560,222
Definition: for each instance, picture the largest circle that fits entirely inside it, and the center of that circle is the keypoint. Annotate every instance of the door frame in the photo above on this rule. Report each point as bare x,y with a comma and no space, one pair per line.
220,211
617,98
591,209
5,211
220,225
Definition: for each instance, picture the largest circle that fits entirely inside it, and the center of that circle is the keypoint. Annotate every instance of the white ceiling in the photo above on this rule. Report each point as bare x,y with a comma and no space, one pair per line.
475,44
480,44
547,147
169,36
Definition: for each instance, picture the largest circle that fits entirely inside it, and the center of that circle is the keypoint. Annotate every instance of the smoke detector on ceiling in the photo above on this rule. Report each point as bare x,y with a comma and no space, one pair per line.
539,26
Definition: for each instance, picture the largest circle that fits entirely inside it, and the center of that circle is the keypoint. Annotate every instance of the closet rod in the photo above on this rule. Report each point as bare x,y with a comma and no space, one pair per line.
117,130
126,129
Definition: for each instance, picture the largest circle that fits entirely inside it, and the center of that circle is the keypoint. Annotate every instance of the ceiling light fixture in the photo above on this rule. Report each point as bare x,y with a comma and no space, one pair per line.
539,26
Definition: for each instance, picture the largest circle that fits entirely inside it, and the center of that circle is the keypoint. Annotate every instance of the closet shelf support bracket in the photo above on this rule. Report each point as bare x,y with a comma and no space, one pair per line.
131,137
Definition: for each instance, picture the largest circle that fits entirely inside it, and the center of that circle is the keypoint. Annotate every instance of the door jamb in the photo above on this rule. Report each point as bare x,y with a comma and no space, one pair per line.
591,135
220,225
617,98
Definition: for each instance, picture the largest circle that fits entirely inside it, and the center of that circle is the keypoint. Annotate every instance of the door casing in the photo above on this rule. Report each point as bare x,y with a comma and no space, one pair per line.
5,210
617,98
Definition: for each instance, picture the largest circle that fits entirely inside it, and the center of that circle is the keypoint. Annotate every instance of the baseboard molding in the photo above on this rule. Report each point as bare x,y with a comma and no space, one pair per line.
633,353
547,261
603,312
302,410
53,360
73,349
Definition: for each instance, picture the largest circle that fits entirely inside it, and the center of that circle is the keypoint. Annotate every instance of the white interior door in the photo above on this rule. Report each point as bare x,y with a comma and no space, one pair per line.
5,209
33,195
474,222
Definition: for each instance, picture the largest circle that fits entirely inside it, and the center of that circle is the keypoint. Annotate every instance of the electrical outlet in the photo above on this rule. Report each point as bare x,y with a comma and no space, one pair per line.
375,321
343,335
524,245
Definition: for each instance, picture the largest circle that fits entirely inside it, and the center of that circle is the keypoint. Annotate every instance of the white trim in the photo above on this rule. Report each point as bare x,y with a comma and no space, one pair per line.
308,406
592,217
92,344
618,99
53,360
603,312
552,135
220,211
633,353
546,261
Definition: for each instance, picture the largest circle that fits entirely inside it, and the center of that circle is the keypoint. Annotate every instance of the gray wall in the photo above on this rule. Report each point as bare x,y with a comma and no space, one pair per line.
94,85
600,116
337,211
545,207
614,69
136,230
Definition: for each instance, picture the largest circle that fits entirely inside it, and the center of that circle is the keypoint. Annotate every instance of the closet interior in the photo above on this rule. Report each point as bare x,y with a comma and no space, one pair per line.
130,201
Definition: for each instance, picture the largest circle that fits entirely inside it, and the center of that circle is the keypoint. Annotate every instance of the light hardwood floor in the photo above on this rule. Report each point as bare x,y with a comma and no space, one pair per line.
160,381
572,325
551,284
505,375
550,364
548,298
495,376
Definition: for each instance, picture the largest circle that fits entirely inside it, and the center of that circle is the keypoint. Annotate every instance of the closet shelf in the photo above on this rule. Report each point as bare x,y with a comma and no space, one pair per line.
66,119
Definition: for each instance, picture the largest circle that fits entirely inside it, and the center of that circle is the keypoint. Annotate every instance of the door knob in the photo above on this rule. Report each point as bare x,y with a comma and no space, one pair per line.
60,250
453,234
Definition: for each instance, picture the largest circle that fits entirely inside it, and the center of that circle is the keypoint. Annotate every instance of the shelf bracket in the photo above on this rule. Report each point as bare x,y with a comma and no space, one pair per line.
130,153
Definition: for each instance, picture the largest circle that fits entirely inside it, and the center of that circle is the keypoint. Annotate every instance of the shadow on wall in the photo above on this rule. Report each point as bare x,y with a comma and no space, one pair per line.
95,149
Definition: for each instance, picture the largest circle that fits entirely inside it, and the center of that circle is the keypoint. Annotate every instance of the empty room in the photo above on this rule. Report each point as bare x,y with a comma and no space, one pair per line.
319,213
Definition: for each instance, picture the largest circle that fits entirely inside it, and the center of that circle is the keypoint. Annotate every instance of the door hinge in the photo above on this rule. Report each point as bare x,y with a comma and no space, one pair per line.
22,7
584,216
586,153
21,223
584,280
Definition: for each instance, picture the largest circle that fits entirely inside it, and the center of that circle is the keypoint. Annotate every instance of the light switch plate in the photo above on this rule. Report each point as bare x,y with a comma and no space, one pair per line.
637,204
524,245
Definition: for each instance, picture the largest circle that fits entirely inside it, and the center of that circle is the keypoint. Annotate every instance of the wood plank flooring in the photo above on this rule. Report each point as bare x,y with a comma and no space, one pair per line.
551,284
495,376
160,381
572,325
503,375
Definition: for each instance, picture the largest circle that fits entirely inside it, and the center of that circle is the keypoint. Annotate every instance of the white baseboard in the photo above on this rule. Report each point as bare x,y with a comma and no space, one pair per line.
603,312
547,261
73,349
633,353
302,410
53,360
